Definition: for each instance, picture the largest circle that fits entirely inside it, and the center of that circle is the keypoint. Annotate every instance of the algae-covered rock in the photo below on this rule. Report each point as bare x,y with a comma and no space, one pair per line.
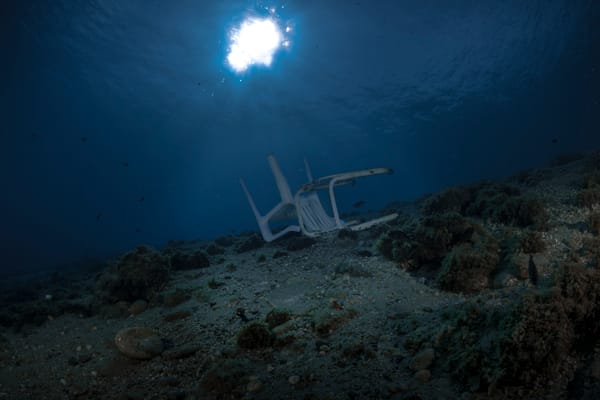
525,342
327,321
138,274
468,267
255,336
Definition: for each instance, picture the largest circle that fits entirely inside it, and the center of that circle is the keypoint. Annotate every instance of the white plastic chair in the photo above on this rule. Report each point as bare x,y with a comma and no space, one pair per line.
305,206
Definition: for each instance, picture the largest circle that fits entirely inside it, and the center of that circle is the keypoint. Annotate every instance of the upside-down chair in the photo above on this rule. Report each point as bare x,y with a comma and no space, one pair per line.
305,206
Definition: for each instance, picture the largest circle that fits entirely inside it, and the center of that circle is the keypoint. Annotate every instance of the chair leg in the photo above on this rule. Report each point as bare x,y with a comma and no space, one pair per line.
282,185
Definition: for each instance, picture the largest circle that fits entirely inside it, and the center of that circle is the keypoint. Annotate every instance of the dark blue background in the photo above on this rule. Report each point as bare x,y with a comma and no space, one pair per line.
443,92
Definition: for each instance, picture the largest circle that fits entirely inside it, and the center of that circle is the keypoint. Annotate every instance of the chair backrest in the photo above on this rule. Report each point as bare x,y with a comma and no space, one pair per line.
312,218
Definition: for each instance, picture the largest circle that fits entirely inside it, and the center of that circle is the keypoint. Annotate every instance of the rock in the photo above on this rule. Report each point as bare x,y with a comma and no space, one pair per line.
423,375
139,343
255,385
180,352
294,380
138,307
422,360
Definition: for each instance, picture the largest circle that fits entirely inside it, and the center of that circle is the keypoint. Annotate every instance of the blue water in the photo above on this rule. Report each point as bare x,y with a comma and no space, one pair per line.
122,123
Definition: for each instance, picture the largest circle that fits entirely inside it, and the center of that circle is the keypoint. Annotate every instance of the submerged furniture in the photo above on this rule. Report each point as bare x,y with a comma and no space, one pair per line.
305,206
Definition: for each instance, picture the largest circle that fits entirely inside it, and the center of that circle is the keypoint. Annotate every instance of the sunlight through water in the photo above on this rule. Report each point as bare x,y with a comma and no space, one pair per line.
254,42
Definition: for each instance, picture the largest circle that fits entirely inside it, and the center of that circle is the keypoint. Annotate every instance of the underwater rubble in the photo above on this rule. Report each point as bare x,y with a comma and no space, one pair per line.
482,291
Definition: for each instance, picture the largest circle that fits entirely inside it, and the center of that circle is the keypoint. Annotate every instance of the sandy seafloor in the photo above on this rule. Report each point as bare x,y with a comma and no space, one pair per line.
350,322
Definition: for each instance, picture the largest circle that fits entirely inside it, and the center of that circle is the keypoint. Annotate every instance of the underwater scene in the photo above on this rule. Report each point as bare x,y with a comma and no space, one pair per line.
300,199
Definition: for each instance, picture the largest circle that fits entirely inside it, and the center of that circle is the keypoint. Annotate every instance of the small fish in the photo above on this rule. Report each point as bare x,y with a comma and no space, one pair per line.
83,139
359,204
138,230
142,199
125,164
555,140
532,271
98,216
